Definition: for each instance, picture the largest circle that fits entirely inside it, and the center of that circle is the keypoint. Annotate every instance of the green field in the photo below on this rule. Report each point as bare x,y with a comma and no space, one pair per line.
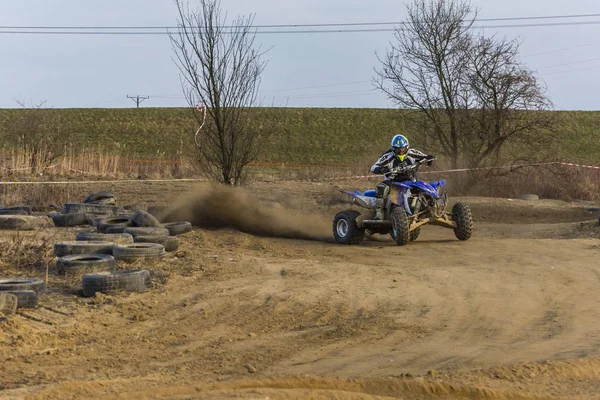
301,134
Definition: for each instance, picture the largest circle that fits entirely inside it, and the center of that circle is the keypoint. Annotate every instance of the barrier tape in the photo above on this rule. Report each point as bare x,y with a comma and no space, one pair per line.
580,166
298,180
91,182
440,172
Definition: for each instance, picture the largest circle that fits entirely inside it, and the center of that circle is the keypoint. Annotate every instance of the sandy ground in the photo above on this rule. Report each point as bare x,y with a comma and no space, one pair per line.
513,313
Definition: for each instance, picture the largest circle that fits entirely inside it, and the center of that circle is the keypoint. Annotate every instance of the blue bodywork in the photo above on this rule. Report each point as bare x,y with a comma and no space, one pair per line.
431,189
367,199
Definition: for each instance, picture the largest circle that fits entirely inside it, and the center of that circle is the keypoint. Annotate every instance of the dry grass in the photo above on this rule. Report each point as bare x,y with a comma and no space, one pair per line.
41,196
22,253
555,182
92,163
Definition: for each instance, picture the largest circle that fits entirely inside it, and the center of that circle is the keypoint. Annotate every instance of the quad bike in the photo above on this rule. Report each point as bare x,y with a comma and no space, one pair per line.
408,206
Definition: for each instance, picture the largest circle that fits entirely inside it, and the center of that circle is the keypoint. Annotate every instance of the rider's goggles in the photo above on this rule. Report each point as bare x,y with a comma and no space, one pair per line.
400,151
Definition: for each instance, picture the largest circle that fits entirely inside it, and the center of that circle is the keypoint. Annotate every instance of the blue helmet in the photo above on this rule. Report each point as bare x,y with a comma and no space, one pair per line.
400,145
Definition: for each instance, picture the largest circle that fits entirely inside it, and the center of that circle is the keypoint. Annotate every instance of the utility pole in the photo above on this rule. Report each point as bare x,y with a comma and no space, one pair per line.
138,99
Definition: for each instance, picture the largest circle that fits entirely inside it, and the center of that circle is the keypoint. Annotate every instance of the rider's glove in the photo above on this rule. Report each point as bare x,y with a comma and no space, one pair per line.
429,159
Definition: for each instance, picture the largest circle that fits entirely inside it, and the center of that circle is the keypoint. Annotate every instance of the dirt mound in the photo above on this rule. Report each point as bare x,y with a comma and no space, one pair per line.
217,206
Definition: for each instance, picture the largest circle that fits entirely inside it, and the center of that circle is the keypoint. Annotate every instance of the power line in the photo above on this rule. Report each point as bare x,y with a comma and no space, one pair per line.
571,70
335,94
571,63
138,99
322,25
563,49
295,31
317,87
131,30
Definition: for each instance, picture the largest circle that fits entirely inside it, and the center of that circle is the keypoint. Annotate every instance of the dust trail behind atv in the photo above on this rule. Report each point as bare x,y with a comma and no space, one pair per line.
218,206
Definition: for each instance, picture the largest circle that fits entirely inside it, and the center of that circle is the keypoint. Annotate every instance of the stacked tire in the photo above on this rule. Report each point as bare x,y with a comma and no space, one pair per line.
18,218
130,238
20,293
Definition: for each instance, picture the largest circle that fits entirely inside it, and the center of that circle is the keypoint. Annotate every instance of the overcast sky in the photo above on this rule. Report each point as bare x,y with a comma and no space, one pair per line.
100,71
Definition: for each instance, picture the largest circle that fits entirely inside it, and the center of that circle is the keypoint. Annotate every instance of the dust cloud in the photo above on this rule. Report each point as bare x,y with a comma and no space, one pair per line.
218,206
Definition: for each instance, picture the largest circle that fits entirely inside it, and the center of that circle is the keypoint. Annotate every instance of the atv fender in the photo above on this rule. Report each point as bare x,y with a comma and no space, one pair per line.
398,197
360,220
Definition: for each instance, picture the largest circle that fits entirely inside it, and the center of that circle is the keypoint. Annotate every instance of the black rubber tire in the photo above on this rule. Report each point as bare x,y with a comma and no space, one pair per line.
178,228
13,212
109,201
400,225
104,224
73,219
94,220
16,210
171,243
143,219
99,196
18,284
17,222
146,231
461,214
25,298
116,229
77,264
116,238
139,251
345,229
82,247
116,281
414,234
70,208
134,207
8,304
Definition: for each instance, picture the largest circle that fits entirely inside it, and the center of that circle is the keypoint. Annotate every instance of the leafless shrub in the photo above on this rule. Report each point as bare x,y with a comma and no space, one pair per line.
220,64
36,132
471,96
21,253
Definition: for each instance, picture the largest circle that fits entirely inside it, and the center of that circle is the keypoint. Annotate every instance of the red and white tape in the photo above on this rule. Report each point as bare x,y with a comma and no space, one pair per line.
457,170
201,108
579,165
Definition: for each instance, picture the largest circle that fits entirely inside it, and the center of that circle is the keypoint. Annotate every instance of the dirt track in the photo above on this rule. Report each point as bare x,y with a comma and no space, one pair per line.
512,313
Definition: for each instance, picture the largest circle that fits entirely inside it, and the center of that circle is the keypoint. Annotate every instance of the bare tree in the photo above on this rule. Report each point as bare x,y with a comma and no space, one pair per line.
507,107
221,65
470,94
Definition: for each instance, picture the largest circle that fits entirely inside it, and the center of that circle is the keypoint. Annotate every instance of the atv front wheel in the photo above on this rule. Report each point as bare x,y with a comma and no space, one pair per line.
414,234
461,214
400,225
345,229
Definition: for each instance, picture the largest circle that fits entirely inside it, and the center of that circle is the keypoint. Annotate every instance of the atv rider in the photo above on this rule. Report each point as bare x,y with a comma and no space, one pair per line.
393,165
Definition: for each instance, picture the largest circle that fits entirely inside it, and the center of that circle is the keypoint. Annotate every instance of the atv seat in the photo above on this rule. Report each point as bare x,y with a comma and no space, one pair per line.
370,193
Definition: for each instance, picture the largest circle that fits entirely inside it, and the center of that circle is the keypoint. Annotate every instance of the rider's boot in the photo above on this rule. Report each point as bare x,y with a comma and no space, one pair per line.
379,214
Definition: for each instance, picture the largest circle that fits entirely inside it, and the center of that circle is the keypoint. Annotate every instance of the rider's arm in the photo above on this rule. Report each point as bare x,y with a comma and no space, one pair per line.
382,166
418,156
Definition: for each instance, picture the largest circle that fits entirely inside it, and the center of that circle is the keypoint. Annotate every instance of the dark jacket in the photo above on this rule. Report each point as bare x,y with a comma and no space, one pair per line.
389,160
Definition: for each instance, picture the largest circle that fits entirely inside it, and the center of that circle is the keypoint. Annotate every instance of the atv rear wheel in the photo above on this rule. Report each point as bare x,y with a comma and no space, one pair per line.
400,225
345,229
461,214
414,234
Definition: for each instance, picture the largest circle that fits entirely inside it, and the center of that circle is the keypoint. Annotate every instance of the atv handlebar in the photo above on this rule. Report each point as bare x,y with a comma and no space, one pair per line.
412,167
